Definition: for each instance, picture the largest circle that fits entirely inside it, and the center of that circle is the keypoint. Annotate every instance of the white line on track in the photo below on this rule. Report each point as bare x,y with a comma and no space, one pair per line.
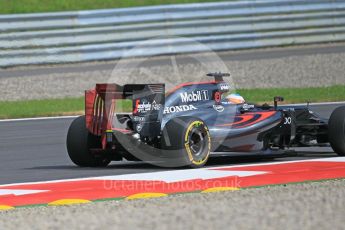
330,159
38,118
318,103
69,117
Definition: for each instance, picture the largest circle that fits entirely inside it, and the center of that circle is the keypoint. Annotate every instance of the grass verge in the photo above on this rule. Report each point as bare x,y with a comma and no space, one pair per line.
35,6
295,95
38,108
73,106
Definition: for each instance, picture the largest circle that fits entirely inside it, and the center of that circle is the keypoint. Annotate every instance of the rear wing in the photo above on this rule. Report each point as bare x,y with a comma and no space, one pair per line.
147,107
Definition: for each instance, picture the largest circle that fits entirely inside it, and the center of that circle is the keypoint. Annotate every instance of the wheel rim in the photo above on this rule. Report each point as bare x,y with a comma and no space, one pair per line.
197,142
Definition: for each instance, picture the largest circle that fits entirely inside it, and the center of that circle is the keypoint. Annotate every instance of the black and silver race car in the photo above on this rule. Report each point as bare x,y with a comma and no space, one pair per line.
189,123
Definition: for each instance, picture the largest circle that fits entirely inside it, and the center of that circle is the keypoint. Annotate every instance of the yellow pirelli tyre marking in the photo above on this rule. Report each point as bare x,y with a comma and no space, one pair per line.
5,207
190,156
197,123
220,189
190,128
68,202
145,195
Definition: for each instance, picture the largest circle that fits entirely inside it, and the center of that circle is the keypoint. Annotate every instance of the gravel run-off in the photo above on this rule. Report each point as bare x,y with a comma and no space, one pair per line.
247,68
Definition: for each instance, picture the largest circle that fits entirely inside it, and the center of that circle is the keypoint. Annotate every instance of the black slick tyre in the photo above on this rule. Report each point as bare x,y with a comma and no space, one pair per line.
190,140
80,141
336,130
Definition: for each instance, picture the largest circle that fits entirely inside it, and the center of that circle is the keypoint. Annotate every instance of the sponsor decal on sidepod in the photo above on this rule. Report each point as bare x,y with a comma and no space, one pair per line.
146,106
180,108
200,95
224,87
218,108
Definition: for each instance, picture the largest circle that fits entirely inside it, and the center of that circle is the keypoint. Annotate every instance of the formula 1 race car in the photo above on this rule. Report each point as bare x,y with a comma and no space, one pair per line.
189,123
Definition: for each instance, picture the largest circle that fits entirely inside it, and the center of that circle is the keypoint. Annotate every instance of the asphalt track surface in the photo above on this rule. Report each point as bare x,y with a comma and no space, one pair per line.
34,150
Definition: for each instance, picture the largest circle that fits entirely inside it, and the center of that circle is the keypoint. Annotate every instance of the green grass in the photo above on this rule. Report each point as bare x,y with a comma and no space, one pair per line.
33,6
34,108
295,95
72,106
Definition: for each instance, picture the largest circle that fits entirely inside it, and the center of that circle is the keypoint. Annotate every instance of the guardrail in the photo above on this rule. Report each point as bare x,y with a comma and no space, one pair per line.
108,34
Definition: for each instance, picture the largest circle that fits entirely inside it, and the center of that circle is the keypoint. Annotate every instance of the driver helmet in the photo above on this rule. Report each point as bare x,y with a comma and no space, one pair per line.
235,98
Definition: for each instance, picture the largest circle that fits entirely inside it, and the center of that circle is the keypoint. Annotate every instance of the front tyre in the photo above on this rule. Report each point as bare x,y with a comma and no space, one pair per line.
190,140
336,130
79,143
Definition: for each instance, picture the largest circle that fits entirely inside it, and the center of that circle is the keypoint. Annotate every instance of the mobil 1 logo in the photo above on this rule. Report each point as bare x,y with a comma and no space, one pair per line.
194,96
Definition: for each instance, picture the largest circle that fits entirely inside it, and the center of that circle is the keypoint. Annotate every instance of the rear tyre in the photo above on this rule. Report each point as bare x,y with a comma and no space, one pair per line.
190,140
336,130
79,143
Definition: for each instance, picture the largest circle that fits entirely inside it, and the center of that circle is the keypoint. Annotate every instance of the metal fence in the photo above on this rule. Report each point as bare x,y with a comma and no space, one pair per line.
109,34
